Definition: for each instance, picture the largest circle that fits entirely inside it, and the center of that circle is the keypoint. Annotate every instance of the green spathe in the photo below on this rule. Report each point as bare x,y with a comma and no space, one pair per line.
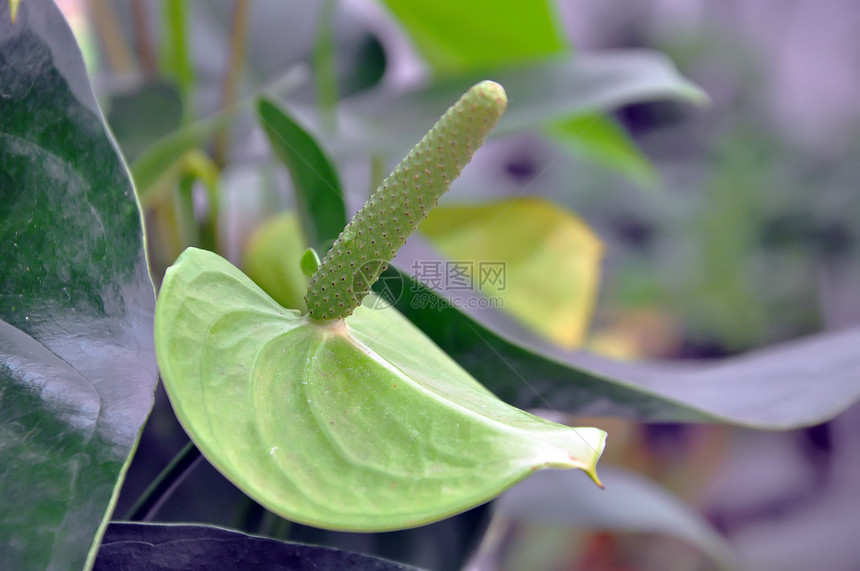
357,424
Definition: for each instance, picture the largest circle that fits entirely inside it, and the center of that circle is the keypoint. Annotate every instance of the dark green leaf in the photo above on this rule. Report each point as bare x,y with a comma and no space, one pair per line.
800,383
160,547
77,368
318,192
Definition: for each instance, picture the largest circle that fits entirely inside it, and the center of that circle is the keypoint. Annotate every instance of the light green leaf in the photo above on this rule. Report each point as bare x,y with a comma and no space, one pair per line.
599,138
356,424
456,36
547,261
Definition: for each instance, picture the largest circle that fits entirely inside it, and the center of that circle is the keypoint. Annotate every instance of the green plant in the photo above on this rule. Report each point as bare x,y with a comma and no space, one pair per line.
77,366
281,401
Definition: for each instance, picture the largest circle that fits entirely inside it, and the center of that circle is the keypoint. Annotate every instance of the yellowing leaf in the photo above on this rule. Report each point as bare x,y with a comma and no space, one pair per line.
552,260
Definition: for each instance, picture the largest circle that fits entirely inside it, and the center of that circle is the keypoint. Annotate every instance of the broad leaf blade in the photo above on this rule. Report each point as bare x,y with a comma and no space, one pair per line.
801,383
456,36
318,192
77,368
357,424
539,94
540,262
198,547
629,503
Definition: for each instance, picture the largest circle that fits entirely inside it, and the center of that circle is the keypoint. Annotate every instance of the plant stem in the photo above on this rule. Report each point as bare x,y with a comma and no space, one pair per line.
142,38
324,66
175,55
238,35
164,484
119,56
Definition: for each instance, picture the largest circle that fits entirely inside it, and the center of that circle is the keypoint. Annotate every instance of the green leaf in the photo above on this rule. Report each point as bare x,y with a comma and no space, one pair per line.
309,262
77,368
455,36
539,94
317,187
356,424
148,546
547,261
602,140
799,383
629,503
272,259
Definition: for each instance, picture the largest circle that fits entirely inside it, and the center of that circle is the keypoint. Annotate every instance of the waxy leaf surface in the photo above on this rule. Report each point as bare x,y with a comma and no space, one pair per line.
355,424
77,367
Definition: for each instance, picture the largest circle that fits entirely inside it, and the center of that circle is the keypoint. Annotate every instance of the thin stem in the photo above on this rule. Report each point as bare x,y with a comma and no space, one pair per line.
164,484
142,38
238,33
119,55
175,55
184,205
324,66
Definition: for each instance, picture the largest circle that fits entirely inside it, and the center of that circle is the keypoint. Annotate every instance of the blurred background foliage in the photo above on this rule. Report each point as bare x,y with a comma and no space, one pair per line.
724,227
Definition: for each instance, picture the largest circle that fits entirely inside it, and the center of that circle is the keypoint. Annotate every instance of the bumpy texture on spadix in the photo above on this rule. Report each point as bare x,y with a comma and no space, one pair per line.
364,248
